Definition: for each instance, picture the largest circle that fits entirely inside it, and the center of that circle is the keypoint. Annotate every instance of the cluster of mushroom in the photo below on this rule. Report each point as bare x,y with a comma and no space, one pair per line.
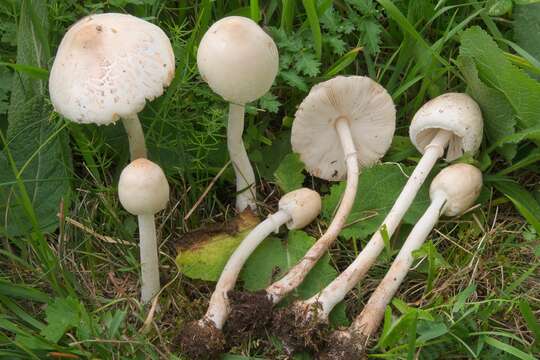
108,65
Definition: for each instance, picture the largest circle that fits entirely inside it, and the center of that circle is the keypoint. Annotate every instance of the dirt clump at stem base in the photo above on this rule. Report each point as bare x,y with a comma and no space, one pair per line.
299,327
201,340
251,314
342,345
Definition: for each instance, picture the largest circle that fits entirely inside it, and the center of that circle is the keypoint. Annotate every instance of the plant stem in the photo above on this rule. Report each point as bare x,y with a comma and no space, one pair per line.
137,146
335,292
245,177
218,309
370,317
149,258
278,290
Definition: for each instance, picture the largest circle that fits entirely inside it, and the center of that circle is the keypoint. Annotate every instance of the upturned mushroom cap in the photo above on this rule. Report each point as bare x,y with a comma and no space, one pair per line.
107,66
237,59
303,205
143,188
460,184
455,112
370,112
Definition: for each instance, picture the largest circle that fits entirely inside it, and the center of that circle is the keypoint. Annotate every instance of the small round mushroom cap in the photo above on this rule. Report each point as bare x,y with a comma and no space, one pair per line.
367,107
460,184
143,188
107,66
455,112
237,59
303,206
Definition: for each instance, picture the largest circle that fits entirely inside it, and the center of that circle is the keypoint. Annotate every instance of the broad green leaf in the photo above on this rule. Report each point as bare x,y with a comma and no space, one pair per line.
205,252
499,118
523,200
62,314
289,174
378,188
527,28
496,71
263,265
271,262
498,7
38,147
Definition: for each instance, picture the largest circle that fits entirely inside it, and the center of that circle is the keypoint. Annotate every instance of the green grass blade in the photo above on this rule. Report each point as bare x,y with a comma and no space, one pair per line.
254,10
508,348
313,19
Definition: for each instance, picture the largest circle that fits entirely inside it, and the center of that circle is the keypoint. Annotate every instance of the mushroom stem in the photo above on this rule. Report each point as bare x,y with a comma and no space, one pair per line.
370,317
278,290
149,258
245,177
137,146
335,292
219,306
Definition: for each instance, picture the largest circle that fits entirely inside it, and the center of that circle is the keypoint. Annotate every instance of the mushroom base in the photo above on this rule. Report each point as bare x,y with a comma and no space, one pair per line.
201,340
344,345
300,327
251,314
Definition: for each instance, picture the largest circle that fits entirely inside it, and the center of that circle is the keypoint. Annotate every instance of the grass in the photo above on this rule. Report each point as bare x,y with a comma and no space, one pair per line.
70,289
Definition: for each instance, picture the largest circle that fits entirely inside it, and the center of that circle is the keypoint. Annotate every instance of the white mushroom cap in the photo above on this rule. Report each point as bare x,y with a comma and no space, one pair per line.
237,59
143,188
107,66
302,205
460,184
372,118
455,112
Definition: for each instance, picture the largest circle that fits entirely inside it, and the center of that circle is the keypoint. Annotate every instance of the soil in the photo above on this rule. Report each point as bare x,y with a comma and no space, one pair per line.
201,340
251,314
341,345
299,328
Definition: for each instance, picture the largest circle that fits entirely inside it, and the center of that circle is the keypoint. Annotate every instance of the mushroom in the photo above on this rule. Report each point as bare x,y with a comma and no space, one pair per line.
106,67
343,123
143,191
239,61
204,338
452,192
451,120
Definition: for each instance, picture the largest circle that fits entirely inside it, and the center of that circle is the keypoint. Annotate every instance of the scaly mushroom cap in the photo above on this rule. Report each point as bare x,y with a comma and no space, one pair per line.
455,112
143,188
237,59
370,112
303,205
107,66
460,184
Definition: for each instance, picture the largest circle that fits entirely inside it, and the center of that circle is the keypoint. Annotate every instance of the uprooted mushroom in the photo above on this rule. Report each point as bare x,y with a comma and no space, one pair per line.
343,124
452,121
453,191
203,339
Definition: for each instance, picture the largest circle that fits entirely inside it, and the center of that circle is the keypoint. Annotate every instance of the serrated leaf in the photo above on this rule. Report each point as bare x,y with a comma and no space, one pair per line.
289,175
62,314
378,188
337,45
37,146
496,71
270,103
527,28
307,64
294,80
371,35
206,251
499,117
